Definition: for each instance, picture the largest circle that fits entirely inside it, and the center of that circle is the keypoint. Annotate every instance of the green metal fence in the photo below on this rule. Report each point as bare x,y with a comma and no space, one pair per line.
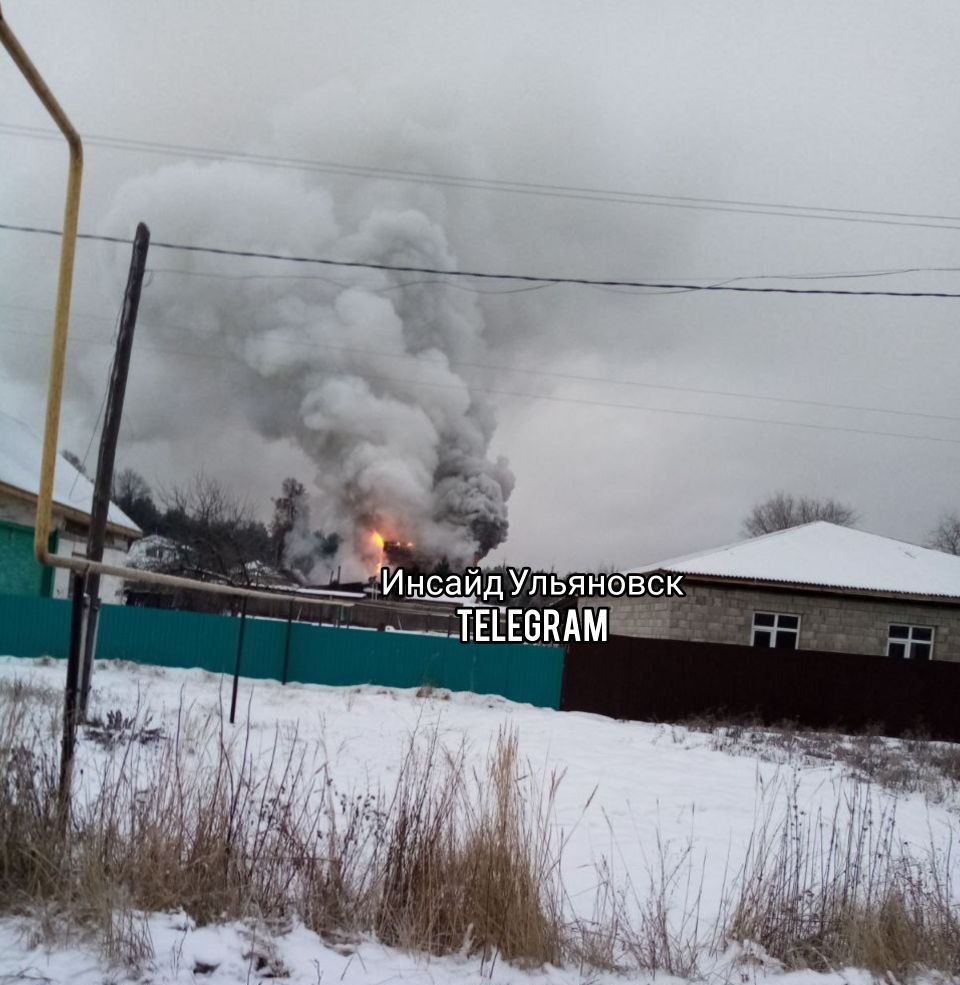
32,627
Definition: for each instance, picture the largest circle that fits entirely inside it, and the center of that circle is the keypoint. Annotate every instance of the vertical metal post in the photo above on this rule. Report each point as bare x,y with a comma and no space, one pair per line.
108,448
61,317
236,666
61,320
69,741
286,643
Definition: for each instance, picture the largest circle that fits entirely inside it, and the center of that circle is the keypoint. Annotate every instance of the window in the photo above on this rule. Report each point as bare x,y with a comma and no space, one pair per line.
910,642
776,629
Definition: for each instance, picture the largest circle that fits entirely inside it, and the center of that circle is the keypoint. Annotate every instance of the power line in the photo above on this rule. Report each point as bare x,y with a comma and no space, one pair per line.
549,374
542,189
822,275
486,275
215,275
739,418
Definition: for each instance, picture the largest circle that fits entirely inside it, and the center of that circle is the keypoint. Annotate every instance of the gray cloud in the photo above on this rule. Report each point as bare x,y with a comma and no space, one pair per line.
850,106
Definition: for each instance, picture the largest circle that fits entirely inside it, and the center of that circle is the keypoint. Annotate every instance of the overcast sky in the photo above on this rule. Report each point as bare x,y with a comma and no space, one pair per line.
847,106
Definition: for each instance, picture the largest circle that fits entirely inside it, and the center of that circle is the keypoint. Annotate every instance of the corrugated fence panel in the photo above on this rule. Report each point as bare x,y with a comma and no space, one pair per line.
167,637
262,648
673,680
33,627
324,655
536,673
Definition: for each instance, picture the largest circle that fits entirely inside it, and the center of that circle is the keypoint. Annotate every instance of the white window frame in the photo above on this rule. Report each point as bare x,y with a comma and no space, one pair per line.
775,628
908,640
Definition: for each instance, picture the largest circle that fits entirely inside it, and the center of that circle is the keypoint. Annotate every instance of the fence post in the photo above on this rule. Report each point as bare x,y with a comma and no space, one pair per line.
236,666
286,643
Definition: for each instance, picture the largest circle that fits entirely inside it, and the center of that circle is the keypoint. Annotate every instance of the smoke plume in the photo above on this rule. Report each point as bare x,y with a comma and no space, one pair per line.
366,371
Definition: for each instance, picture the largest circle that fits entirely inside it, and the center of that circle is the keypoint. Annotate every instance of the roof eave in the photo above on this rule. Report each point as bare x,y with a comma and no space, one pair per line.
733,581
70,512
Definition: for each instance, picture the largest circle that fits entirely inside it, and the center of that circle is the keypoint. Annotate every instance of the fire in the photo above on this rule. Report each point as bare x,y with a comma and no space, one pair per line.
385,550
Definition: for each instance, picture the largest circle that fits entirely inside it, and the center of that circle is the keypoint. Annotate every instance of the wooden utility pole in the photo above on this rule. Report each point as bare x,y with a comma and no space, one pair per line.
103,483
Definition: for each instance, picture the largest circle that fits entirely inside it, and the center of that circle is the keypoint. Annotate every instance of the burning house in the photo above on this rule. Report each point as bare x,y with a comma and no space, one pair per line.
401,448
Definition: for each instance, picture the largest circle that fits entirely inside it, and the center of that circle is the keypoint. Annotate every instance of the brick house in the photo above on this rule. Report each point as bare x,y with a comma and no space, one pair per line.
814,587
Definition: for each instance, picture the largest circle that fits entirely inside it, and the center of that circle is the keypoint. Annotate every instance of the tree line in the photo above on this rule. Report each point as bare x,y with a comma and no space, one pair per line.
783,510
212,532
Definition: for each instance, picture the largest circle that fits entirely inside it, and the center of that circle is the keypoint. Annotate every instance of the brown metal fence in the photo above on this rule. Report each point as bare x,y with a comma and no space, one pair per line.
673,680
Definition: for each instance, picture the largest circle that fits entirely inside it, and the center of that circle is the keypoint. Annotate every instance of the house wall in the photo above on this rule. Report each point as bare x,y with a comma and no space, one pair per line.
16,510
72,542
719,614
74,545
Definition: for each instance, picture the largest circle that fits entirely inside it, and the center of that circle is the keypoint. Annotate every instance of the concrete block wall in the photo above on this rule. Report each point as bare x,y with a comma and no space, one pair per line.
720,614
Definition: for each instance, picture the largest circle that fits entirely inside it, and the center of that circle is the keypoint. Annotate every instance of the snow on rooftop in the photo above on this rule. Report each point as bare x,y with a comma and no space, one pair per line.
20,453
460,601
333,593
831,556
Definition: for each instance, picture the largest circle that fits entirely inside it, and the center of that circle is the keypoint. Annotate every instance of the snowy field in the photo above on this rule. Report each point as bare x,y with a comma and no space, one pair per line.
631,796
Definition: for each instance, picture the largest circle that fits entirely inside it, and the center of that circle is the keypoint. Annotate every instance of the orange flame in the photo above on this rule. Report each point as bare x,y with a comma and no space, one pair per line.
377,539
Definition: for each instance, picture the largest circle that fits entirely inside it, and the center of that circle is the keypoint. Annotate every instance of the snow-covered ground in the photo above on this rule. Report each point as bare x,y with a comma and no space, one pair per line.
231,953
627,788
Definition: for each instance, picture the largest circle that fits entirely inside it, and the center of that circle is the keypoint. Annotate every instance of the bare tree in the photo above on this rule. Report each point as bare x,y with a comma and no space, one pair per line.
129,486
287,507
133,495
782,510
946,537
216,530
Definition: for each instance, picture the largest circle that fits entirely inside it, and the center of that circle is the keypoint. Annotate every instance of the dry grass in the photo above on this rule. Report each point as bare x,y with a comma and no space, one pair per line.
654,927
445,862
470,870
838,891
446,859
912,764
31,844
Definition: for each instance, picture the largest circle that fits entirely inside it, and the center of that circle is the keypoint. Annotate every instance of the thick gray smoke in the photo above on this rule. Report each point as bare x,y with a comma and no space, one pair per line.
367,371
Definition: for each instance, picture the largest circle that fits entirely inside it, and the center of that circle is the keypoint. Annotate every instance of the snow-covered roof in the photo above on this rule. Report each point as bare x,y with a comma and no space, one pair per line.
829,556
152,553
20,453
458,601
334,593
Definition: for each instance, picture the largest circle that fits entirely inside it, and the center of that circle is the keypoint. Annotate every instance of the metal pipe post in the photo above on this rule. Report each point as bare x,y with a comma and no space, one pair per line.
61,317
236,666
286,643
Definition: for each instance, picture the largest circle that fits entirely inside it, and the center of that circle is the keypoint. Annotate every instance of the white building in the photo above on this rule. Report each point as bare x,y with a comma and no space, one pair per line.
20,453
